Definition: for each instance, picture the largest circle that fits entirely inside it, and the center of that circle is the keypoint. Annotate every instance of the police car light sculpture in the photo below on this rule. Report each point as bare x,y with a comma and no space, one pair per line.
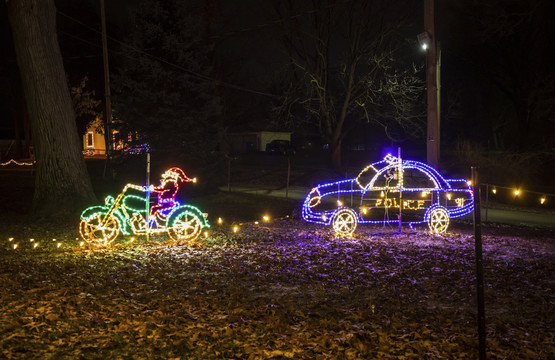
129,213
383,191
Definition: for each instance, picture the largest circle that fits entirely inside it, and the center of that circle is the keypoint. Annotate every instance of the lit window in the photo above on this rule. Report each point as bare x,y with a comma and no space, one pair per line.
90,139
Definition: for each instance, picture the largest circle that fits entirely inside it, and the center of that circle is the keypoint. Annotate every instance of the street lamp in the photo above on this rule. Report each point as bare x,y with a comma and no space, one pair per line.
424,40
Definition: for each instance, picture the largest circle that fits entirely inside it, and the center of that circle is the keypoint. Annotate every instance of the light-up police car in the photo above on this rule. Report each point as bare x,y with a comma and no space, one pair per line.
387,191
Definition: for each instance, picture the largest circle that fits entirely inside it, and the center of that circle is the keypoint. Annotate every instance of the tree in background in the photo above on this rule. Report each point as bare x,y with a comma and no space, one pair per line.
87,107
507,53
62,182
162,88
345,67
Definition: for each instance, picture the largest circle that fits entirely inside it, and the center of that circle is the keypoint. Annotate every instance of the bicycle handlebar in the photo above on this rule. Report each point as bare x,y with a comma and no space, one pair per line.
138,187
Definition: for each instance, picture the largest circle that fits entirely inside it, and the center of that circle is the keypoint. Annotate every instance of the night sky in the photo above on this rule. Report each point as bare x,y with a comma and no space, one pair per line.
496,62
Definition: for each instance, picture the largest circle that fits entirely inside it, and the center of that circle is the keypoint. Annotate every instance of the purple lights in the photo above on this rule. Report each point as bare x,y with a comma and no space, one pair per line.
385,192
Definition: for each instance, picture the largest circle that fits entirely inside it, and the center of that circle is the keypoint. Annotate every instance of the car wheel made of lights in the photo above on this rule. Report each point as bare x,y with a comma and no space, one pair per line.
438,220
345,222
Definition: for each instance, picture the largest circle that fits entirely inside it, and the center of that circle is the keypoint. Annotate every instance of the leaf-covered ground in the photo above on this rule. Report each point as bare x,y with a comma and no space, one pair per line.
280,290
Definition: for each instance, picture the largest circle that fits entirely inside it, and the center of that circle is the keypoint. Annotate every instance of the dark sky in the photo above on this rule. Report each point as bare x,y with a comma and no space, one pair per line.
486,45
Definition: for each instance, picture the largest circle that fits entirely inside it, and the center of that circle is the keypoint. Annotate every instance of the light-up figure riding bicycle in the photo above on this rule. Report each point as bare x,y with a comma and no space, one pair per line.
129,213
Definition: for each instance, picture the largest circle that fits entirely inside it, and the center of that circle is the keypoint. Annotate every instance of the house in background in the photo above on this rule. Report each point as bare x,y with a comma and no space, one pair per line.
94,141
254,141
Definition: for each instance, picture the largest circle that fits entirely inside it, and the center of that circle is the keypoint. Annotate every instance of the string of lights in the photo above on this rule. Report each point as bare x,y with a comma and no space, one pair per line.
35,244
18,163
516,192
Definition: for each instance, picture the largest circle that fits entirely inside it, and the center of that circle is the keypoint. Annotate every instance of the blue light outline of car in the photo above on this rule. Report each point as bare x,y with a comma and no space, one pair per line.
352,186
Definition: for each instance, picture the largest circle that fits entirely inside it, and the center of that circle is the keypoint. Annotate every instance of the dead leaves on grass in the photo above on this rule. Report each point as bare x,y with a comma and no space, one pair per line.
287,290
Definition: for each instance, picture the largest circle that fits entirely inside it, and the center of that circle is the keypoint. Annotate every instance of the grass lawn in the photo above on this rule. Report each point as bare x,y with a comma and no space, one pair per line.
283,289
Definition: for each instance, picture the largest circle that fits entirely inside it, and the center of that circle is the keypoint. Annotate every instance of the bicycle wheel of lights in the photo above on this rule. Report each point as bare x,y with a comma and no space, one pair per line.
98,230
345,222
438,221
186,228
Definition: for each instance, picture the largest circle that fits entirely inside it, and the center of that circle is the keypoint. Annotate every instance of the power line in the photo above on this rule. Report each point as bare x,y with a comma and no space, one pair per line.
190,72
277,21
79,38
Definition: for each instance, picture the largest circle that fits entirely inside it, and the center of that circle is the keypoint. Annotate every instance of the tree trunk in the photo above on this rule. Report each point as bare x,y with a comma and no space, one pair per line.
335,156
62,184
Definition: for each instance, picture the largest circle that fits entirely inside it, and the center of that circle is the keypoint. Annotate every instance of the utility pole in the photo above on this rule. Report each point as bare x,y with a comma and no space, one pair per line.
107,102
432,85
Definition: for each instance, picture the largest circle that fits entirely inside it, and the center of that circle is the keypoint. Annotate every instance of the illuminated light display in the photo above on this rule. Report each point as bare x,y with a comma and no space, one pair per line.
12,161
345,222
438,219
138,149
129,213
543,197
384,190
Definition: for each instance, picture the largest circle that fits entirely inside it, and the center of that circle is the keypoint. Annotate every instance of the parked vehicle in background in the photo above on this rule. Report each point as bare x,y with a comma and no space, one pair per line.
281,147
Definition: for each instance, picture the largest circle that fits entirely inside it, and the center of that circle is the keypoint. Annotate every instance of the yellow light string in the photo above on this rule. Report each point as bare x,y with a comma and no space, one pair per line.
266,218
517,192
236,227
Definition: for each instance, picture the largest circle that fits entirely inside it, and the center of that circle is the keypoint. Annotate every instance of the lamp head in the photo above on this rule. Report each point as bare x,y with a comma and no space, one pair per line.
424,40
